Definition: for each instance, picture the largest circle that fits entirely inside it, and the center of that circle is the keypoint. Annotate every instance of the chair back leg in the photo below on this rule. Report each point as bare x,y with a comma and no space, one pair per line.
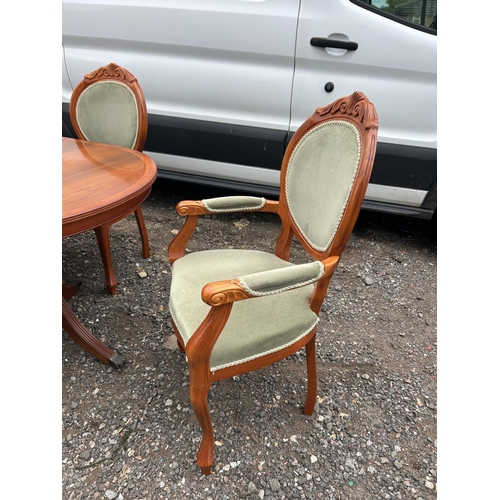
142,229
102,235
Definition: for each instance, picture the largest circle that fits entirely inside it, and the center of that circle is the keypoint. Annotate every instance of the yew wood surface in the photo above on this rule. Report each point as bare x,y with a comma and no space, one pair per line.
101,184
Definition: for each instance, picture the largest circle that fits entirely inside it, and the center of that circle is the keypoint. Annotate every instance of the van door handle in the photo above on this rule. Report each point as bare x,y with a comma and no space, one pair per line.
334,44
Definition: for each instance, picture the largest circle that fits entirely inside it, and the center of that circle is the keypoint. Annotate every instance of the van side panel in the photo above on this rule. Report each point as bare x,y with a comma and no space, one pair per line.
218,61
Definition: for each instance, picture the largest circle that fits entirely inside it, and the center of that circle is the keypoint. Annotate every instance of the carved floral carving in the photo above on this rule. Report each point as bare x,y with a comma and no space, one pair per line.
355,105
231,293
186,208
113,71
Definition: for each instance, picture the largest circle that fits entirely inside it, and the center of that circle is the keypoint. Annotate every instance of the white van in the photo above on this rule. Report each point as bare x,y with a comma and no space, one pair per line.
227,82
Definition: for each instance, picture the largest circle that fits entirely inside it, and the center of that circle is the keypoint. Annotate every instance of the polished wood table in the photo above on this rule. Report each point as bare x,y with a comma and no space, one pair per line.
101,185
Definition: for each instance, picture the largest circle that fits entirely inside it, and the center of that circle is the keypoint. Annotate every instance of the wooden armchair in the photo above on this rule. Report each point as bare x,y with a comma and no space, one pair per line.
324,176
108,106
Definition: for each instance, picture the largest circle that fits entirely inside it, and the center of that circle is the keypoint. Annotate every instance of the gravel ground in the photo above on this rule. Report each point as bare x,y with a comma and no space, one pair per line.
130,433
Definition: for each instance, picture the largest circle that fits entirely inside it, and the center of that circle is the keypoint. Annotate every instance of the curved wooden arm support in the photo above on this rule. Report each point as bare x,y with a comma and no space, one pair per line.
177,247
192,209
321,287
330,264
271,206
199,346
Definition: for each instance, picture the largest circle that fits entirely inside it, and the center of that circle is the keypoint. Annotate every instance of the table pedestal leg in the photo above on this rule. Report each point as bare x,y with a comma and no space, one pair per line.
69,290
102,234
74,328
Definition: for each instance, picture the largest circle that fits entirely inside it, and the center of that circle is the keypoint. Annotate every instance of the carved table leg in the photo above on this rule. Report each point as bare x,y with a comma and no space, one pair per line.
74,328
102,234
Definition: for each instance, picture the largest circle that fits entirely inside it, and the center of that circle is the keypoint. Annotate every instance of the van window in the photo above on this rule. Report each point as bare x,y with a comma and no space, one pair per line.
420,14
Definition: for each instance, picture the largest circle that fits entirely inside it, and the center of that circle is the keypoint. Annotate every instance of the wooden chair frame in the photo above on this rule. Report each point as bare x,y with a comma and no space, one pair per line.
113,72
360,112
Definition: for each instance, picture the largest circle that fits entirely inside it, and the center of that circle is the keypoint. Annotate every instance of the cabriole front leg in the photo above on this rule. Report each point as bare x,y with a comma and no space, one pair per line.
198,350
199,401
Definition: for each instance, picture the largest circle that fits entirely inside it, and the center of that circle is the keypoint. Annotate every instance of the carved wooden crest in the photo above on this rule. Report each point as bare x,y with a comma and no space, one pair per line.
112,70
355,105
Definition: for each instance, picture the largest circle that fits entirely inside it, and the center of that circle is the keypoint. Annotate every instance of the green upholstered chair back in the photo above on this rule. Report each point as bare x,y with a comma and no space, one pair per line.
317,199
109,106
326,171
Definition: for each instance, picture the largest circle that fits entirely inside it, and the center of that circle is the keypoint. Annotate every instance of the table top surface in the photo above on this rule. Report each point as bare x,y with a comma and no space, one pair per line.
99,177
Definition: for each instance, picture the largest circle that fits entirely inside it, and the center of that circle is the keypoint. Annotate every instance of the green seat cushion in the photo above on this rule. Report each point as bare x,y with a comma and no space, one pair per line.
256,326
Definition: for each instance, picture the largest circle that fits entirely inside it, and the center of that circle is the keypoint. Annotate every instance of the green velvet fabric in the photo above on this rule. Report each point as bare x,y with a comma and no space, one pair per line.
317,202
233,203
107,112
256,326
284,278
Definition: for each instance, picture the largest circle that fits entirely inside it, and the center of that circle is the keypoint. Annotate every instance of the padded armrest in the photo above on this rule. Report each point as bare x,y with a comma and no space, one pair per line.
233,203
281,280
260,284
189,208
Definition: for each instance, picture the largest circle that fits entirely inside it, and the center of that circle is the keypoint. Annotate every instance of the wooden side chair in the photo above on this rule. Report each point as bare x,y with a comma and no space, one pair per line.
108,106
234,311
